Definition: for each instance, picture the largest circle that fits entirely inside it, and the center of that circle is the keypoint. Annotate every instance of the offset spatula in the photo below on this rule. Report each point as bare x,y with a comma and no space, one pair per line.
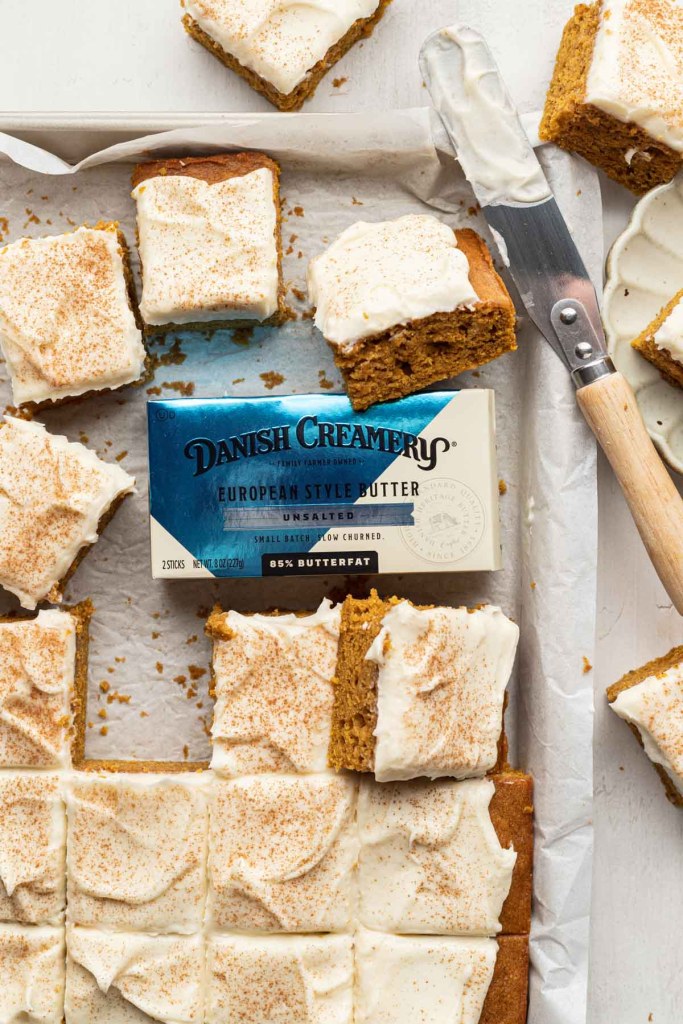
535,244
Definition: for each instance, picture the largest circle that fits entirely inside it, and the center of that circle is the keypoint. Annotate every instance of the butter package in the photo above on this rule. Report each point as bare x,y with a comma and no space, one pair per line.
303,485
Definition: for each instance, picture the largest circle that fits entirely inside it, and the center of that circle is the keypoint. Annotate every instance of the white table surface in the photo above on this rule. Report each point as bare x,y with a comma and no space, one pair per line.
132,56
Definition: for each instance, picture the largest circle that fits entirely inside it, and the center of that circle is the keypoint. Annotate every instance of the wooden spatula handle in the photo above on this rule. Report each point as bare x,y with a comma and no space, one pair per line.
612,413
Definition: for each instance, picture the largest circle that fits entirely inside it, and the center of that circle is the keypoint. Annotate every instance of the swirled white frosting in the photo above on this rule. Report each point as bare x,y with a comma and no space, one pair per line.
37,658
66,326
669,334
636,72
137,851
274,696
441,681
32,969
377,275
112,977
281,40
655,707
282,852
52,495
32,847
294,979
401,979
208,251
430,859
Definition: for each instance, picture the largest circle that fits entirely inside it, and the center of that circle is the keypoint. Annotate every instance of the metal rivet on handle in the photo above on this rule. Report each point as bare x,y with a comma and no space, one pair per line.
568,315
584,350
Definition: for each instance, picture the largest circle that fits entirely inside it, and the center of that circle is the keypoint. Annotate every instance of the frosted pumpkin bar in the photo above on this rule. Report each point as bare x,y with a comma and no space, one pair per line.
272,679
67,315
43,687
406,303
650,699
56,497
420,691
209,242
445,857
615,96
282,49
661,343
32,967
402,979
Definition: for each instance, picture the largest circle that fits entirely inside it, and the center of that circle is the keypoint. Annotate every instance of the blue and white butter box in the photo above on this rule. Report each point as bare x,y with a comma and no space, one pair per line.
303,485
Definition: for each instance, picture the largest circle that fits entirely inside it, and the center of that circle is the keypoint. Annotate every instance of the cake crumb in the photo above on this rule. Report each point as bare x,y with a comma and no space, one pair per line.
533,584
144,714
356,202
159,667
104,730
326,384
271,379
502,487
121,456
184,388
298,293
104,686
186,751
587,667
298,211
154,390
102,713
242,335
196,671
338,82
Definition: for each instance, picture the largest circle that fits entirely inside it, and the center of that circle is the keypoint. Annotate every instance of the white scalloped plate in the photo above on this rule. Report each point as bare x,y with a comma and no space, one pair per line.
644,271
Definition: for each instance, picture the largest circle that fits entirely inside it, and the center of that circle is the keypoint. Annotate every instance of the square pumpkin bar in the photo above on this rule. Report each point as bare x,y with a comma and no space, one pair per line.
421,691
615,95
209,242
273,682
440,979
446,858
68,320
650,699
281,50
56,497
43,687
407,303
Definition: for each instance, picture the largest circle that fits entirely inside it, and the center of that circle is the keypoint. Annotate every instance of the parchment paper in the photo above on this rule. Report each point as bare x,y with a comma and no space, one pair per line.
148,645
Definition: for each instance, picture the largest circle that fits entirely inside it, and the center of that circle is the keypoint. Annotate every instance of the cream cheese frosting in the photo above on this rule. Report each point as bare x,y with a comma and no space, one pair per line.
52,495
280,40
377,275
471,98
284,978
274,695
37,667
208,251
32,847
282,853
66,325
669,335
403,979
32,971
441,678
112,977
636,71
430,859
655,707
137,851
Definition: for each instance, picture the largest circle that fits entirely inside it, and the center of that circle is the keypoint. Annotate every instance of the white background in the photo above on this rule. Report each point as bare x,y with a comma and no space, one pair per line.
132,56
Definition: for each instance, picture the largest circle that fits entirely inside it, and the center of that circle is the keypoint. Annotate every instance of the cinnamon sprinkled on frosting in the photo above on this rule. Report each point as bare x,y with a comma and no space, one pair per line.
284,978
121,976
137,849
636,72
278,39
52,496
274,696
441,681
32,969
36,681
32,847
282,851
66,326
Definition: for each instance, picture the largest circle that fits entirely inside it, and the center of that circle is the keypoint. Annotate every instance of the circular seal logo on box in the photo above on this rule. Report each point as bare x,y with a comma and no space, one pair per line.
449,521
